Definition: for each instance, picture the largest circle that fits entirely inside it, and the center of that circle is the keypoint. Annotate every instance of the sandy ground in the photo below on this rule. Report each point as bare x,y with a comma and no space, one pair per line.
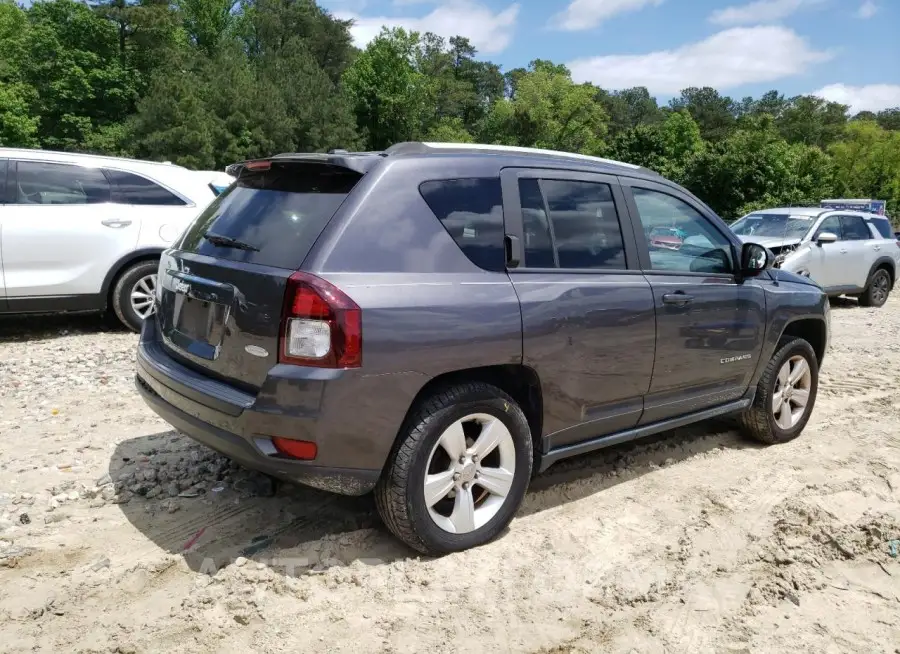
118,535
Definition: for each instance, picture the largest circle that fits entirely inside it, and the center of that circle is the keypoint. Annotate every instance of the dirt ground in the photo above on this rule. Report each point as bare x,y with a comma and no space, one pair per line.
119,535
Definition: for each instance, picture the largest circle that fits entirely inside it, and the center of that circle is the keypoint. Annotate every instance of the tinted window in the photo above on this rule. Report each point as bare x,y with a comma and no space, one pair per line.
3,181
585,226
280,211
881,224
692,244
134,189
831,224
538,242
855,228
50,183
471,210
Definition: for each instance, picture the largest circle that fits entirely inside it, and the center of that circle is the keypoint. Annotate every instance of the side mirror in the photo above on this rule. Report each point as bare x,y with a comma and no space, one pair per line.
826,237
755,258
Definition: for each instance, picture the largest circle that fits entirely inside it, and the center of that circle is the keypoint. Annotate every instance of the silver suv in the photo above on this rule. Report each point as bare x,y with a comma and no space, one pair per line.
845,252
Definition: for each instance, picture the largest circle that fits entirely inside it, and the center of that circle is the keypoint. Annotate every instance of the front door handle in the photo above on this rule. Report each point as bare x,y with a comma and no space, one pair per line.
115,222
678,298
843,251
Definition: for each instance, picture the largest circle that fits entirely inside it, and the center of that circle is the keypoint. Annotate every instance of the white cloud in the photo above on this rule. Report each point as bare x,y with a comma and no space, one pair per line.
742,55
489,32
867,9
871,97
587,14
761,11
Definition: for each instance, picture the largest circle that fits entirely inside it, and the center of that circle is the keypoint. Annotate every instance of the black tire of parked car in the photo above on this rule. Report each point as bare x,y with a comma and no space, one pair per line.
758,422
121,295
877,291
400,495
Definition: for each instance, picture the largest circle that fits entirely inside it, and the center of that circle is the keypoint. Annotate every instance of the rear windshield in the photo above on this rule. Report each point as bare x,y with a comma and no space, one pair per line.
277,214
883,227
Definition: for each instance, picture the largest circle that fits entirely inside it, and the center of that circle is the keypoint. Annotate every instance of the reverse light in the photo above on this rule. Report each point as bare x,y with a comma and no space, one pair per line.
321,325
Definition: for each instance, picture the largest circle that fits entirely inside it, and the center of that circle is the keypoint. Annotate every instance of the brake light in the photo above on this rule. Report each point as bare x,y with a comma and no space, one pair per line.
261,164
321,325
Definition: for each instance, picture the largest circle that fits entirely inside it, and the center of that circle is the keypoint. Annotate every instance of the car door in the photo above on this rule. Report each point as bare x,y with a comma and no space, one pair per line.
861,254
826,260
587,312
709,325
61,233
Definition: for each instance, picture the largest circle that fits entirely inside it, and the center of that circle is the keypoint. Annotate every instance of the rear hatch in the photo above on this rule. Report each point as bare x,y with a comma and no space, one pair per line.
222,287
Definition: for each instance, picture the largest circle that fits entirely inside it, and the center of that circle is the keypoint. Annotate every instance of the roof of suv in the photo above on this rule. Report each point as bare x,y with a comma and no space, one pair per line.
362,162
77,157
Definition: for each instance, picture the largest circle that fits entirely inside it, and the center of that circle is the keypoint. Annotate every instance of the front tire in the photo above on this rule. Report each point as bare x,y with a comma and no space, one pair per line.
459,472
132,296
878,290
785,394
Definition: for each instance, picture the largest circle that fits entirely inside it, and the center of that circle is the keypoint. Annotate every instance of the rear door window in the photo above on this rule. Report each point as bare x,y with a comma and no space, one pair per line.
471,210
128,188
52,183
570,224
278,213
854,228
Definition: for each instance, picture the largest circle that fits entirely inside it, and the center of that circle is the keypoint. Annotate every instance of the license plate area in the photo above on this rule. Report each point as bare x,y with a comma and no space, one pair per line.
200,314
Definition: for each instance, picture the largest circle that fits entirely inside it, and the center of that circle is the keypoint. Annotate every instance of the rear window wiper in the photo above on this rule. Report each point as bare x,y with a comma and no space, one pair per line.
228,242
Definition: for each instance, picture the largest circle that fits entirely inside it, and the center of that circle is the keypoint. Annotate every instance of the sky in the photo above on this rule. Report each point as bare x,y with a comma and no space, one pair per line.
842,50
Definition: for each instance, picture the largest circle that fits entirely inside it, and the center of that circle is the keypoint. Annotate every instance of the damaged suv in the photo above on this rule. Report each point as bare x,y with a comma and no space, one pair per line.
438,322
845,252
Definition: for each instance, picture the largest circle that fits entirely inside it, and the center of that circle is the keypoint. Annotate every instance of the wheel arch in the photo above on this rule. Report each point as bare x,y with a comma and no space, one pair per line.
137,256
888,264
519,381
813,330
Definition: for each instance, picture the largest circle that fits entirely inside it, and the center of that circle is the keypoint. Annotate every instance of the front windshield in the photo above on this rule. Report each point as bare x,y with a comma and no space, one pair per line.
773,224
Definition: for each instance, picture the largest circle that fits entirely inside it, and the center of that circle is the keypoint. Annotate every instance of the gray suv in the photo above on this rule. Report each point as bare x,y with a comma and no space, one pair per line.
439,322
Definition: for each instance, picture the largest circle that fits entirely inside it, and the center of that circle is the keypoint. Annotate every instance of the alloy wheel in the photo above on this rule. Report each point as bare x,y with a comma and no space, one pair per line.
792,388
470,472
143,295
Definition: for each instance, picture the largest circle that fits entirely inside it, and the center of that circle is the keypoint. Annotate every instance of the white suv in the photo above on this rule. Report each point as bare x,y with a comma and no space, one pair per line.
84,233
845,252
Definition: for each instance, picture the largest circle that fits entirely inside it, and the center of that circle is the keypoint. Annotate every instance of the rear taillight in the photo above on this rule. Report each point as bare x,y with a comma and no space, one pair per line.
320,326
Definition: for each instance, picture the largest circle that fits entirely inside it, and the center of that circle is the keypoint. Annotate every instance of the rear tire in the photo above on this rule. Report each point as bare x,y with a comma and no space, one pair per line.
482,418
136,281
780,389
878,290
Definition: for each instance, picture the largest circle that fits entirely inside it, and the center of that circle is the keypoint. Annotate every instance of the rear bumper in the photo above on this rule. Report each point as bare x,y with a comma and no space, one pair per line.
240,425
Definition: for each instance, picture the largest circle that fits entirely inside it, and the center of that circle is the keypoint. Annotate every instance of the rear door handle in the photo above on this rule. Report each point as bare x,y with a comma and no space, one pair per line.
843,251
678,298
877,248
115,222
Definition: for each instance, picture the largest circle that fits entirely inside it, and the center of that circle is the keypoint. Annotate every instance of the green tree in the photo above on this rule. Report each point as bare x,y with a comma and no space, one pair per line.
867,163
714,113
548,111
387,91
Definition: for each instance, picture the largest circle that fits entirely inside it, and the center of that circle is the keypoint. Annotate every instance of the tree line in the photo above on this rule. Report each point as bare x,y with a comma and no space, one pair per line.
205,83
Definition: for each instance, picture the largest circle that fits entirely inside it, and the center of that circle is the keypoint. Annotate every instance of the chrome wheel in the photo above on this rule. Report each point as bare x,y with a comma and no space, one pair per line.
792,388
143,294
470,473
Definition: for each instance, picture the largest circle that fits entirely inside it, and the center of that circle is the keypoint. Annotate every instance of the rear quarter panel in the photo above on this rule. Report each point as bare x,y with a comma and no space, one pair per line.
427,309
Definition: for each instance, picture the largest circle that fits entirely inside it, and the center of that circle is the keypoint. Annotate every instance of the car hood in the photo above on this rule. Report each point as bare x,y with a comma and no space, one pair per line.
769,241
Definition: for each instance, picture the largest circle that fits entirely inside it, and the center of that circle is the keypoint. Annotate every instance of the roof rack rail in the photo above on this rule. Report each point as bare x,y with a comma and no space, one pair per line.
423,147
